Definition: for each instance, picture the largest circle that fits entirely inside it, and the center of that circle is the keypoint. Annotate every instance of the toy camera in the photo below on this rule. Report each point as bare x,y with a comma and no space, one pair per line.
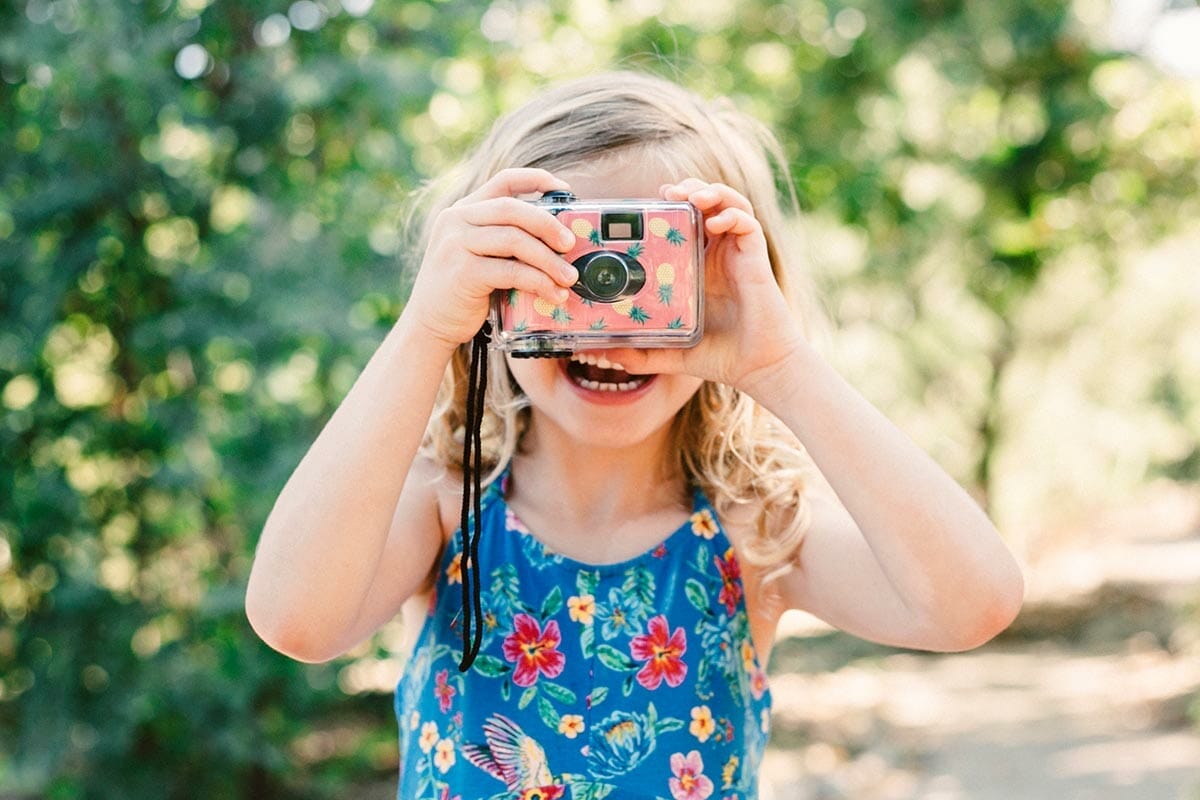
641,281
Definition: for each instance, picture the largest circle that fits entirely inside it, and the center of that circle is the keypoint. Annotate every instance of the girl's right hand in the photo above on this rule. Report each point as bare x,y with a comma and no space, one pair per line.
486,241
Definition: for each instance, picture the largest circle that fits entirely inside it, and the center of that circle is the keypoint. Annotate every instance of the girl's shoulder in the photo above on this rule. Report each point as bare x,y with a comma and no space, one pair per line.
446,481
440,486
739,525
443,485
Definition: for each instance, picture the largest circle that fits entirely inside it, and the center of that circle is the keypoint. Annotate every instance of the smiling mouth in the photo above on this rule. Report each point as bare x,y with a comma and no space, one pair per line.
600,375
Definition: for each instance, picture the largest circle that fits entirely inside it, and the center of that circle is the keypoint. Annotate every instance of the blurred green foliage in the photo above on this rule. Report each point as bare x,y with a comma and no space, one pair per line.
200,245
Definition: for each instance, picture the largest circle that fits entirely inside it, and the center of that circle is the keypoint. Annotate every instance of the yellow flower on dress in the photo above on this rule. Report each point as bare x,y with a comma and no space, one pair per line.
429,736
414,721
581,608
702,725
703,524
444,757
570,725
728,771
454,571
748,656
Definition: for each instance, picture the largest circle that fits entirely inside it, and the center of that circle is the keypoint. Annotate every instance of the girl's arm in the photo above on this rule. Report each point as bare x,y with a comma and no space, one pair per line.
317,557
902,555
915,562
356,529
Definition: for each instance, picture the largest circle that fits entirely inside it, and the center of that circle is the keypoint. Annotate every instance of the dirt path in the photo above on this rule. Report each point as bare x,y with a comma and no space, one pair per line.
1026,721
1087,696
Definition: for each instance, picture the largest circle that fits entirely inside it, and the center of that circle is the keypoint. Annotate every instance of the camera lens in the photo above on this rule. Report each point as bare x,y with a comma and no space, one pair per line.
605,276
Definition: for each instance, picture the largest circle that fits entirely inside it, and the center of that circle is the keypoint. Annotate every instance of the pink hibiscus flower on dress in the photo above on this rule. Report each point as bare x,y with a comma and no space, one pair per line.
689,782
534,649
731,580
443,690
661,650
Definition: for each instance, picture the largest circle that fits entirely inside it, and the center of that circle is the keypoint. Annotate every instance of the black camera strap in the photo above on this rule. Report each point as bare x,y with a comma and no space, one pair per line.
472,466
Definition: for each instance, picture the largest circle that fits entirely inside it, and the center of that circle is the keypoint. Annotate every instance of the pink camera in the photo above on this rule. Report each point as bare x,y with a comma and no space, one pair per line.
641,281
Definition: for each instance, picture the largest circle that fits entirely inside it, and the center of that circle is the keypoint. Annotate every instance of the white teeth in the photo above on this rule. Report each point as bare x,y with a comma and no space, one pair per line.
596,361
597,386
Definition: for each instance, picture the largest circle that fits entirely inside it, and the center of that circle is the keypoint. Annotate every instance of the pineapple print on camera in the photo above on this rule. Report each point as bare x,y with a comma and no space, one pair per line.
640,285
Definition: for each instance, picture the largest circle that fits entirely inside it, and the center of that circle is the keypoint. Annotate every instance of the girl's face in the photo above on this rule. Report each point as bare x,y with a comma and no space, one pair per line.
559,389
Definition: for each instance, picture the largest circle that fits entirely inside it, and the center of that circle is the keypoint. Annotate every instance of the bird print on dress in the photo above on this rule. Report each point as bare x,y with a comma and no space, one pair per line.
515,758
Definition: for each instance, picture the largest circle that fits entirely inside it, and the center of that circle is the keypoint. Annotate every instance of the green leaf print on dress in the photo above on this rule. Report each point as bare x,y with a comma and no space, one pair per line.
505,598
639,585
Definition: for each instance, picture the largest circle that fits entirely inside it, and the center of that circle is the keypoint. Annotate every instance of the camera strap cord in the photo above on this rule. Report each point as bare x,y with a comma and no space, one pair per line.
472,465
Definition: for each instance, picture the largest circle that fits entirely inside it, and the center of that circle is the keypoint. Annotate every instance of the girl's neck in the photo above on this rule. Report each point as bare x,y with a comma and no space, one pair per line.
599,484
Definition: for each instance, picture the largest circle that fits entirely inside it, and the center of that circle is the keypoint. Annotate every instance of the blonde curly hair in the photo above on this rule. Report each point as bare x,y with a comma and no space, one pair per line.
736,451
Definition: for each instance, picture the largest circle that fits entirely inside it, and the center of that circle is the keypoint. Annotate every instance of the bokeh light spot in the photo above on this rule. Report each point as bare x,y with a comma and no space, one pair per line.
192,61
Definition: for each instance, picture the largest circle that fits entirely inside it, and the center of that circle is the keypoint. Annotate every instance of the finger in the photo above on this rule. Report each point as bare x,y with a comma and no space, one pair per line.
709,196
505,241
733,221
681,190
517,180
505,273
518,213
718,195
645,361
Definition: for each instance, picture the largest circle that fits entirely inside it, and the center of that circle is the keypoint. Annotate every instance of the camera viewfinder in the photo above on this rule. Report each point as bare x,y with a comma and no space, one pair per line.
621,226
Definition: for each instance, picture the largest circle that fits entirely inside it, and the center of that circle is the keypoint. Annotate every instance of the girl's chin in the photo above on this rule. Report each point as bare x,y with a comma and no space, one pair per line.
607,436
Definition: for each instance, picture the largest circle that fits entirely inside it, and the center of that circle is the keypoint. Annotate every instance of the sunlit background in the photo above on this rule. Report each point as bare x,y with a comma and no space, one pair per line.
202,241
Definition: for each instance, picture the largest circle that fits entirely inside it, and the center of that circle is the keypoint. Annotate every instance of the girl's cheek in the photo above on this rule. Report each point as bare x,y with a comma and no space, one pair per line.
531,373
515,371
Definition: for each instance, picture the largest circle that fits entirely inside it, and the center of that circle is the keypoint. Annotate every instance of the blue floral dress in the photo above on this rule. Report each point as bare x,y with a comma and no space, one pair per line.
634,680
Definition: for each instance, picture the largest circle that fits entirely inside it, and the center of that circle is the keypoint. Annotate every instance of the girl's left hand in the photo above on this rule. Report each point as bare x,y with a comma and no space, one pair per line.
748,325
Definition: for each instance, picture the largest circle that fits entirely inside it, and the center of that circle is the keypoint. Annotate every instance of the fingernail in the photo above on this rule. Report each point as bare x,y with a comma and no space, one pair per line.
562,295
571,273
567,238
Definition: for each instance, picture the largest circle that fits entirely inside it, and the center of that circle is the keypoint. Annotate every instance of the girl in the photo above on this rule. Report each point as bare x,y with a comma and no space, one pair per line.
638,545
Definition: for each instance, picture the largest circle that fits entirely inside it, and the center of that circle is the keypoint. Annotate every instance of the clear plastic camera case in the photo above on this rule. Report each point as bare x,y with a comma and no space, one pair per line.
641,282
